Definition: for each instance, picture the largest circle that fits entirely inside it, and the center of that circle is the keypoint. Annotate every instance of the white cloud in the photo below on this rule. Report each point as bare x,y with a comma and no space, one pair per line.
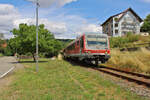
8,13
91,28
88,28
48,3
62,25
69,27
55,27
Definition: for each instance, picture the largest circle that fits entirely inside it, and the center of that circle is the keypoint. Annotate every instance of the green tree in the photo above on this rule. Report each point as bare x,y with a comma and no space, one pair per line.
2,41
146,25
24,41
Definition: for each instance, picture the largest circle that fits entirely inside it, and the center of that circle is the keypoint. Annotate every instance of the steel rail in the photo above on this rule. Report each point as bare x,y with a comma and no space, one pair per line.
127,77
127,72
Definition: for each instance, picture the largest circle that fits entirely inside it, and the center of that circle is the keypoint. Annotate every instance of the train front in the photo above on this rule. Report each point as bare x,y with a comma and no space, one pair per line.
97,48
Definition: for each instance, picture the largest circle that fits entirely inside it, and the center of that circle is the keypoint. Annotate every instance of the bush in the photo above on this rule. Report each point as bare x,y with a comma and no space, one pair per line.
42,55
120,42
28,54
8,52
132,38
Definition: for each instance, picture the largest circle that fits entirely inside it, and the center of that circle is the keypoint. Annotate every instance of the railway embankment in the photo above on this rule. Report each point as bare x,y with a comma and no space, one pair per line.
130,53
134,61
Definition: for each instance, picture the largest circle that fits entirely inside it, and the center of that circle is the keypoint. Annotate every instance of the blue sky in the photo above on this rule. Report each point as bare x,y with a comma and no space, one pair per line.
69,18
102,9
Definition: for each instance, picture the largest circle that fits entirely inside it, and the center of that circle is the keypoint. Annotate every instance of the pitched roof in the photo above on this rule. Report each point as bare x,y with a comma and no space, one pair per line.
122,14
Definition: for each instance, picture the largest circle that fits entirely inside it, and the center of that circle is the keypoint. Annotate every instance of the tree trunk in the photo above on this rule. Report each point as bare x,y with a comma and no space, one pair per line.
34,58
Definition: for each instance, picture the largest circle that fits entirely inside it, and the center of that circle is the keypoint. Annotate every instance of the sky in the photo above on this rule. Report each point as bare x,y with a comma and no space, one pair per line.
66,18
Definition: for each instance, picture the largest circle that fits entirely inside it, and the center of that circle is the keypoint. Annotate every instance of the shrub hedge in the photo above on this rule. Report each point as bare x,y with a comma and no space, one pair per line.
120,42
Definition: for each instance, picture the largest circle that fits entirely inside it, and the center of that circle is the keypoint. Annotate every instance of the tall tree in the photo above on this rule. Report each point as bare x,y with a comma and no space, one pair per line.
24,40
146,25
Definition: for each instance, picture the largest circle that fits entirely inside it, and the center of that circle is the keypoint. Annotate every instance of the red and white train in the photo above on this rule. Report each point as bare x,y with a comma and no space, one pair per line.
92,48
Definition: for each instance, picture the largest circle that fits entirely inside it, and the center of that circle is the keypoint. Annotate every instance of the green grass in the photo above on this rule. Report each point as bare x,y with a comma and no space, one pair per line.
1,55
60,80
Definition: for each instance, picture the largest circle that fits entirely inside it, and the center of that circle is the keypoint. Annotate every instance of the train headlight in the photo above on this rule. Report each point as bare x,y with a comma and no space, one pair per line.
89,51
106,52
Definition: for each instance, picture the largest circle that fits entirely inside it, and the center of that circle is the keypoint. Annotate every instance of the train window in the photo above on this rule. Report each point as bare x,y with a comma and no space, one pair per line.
73,46
81,43
97,42
69,48
77,42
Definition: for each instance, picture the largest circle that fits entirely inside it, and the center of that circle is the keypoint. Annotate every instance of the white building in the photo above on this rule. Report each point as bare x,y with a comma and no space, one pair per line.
122,23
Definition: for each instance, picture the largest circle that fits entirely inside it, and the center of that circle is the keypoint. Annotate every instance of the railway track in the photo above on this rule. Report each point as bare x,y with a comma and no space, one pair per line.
140,79
130,76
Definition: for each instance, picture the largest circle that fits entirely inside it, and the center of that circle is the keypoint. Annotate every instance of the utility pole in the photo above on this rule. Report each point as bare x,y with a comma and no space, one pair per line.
37,28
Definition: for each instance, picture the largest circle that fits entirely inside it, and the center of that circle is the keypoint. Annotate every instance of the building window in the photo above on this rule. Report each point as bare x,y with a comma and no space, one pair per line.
116,24
116,32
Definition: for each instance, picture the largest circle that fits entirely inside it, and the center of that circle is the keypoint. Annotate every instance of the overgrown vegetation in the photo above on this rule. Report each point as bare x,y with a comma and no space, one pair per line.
120,42
59,80
24,41
137,61
129,40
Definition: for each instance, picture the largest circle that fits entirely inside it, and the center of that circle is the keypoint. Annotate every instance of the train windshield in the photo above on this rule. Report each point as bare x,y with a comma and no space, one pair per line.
96,42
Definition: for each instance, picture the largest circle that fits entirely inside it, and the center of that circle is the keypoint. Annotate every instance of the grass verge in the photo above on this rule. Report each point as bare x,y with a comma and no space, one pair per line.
60,80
